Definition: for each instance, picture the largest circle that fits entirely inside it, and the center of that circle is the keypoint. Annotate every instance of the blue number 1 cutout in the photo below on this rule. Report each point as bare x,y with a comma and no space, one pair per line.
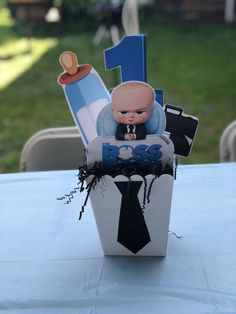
130,56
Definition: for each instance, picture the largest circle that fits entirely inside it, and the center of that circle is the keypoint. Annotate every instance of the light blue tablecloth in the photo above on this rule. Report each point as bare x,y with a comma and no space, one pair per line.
52,263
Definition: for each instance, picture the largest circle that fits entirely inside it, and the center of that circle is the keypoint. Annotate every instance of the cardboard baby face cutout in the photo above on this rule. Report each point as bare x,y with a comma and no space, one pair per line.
132,114
131,108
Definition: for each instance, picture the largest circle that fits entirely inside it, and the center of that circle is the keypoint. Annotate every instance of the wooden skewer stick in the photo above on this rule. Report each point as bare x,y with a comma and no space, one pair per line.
69,62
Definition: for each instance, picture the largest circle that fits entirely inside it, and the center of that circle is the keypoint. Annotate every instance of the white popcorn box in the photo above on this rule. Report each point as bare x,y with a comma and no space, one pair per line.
132,214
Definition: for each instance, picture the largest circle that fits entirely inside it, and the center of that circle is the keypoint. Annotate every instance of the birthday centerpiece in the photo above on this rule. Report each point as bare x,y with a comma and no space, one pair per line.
131,141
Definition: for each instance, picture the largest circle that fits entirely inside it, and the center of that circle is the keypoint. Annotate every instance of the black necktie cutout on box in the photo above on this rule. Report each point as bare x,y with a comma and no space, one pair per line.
132,231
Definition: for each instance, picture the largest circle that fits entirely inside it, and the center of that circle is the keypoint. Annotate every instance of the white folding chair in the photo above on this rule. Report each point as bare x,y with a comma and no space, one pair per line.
53,149
228,143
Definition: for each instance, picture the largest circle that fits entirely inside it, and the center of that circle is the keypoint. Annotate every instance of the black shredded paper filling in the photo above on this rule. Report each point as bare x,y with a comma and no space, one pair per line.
127,170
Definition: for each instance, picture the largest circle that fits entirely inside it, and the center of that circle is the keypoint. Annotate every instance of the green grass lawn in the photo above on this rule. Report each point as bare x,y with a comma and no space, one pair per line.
195,63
